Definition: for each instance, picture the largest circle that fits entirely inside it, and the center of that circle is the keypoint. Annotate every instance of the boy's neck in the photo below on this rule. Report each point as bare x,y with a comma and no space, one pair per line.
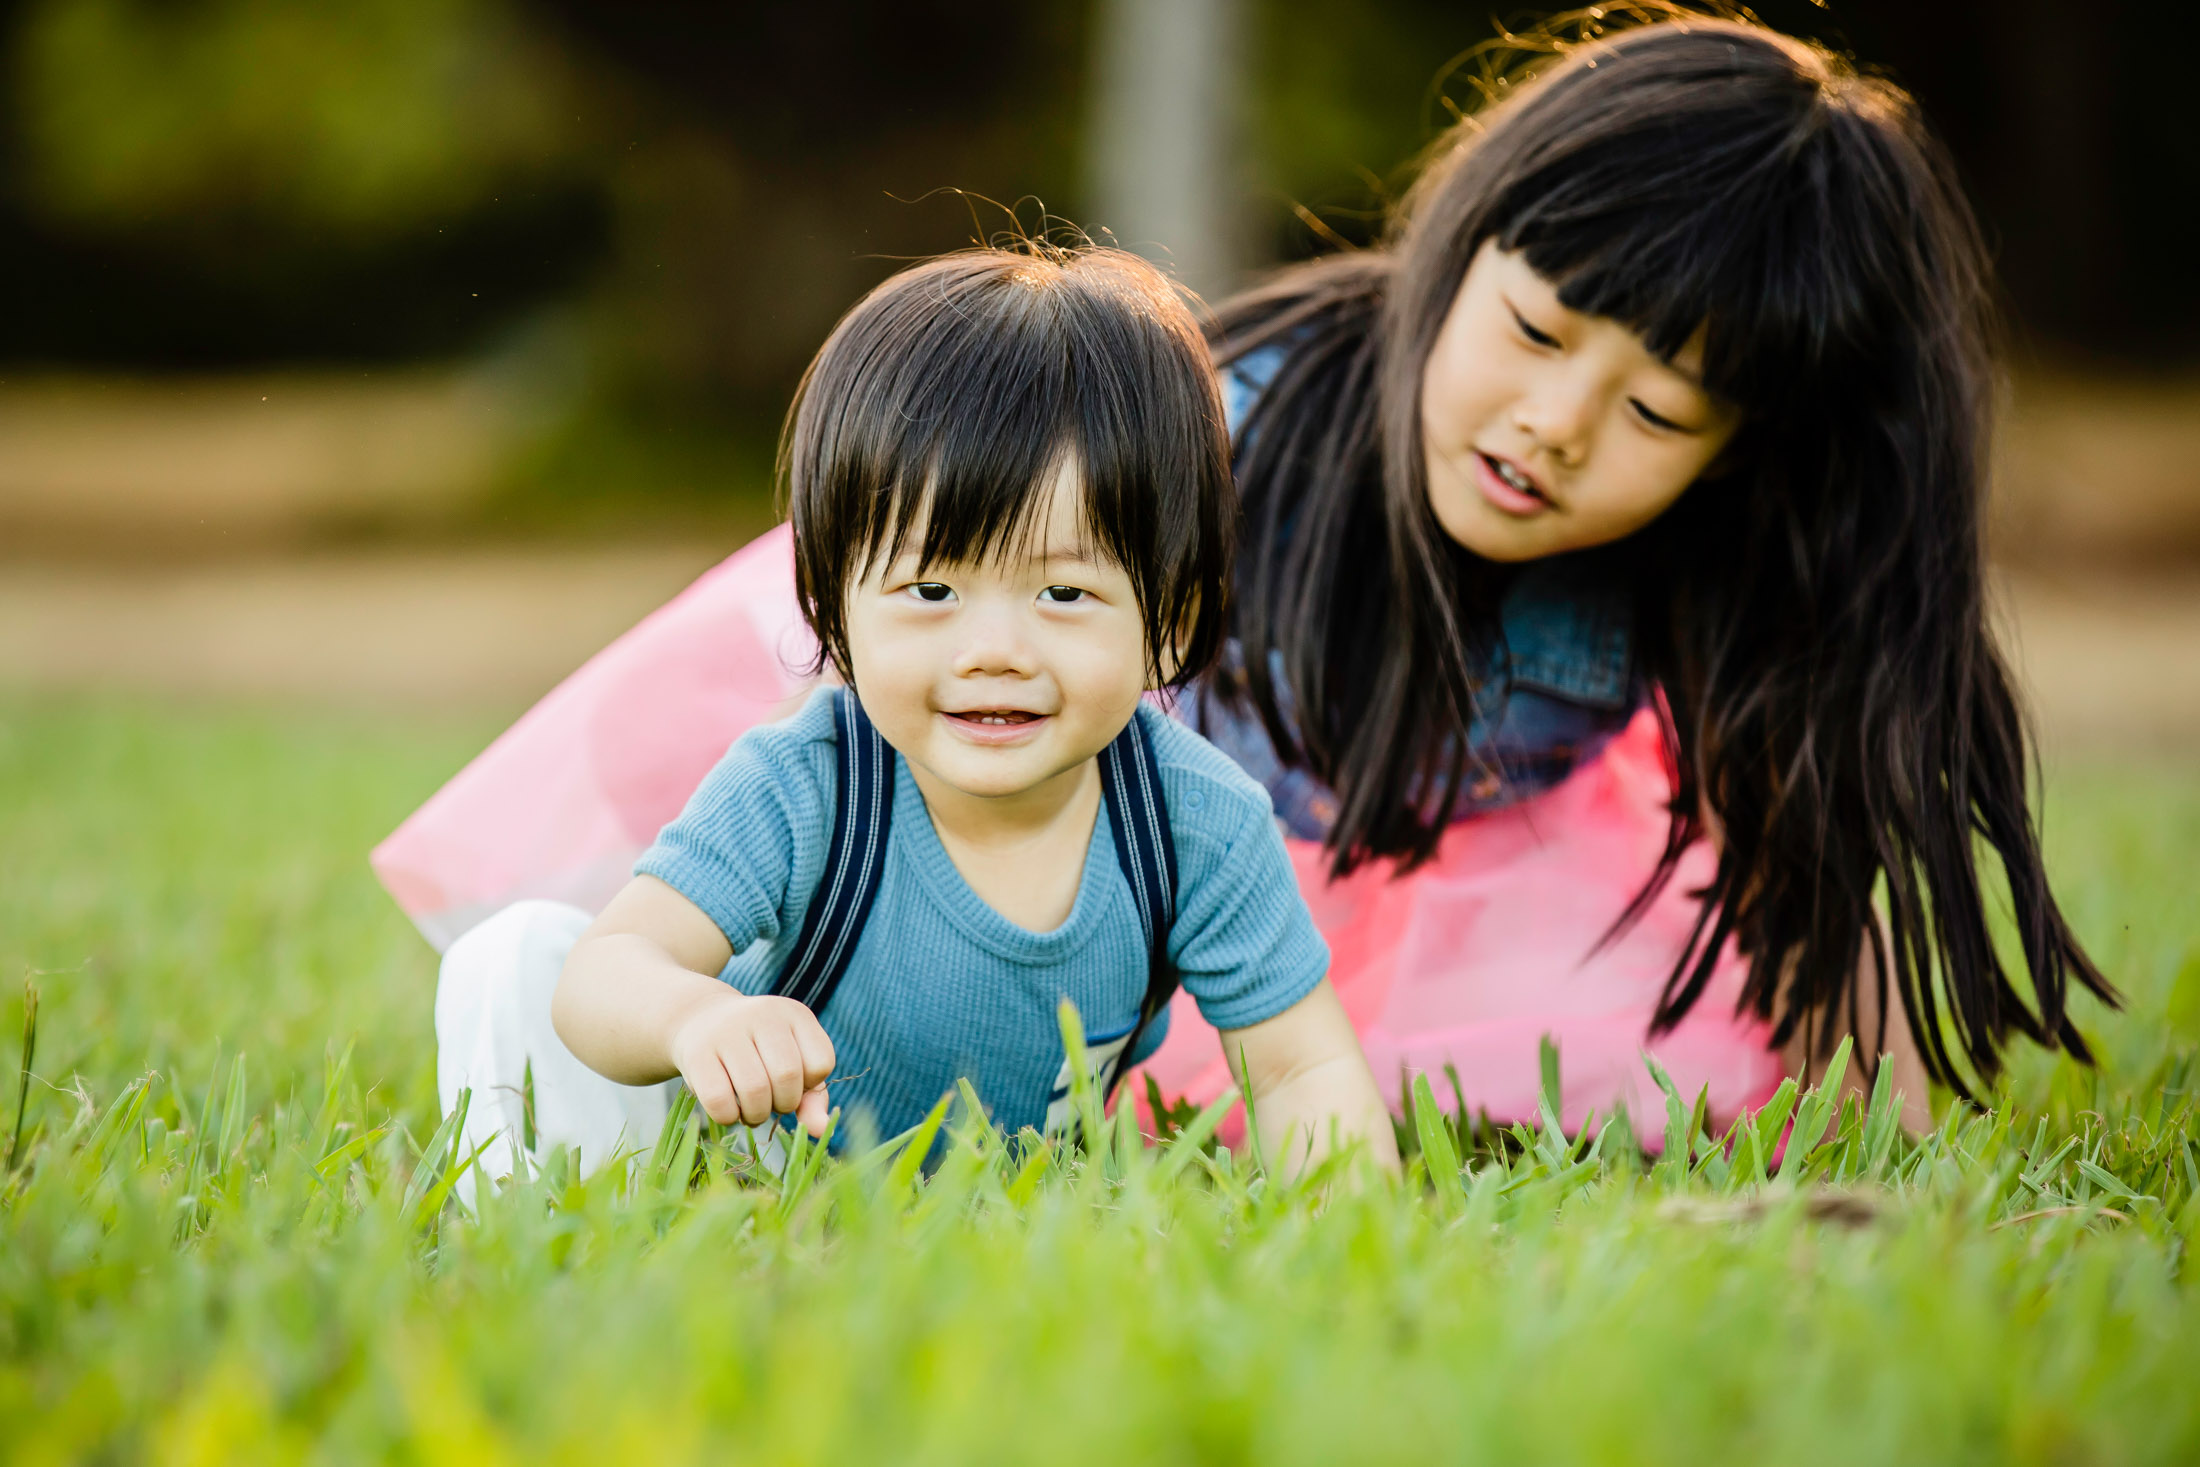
1023,855
1006,822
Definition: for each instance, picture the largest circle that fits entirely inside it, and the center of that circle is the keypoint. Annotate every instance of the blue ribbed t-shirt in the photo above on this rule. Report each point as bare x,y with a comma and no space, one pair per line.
942,986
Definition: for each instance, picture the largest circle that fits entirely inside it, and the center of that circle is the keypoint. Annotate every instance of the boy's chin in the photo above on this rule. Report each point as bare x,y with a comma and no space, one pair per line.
999,773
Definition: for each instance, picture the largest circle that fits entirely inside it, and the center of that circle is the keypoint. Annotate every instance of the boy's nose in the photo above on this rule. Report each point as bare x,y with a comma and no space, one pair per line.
994,643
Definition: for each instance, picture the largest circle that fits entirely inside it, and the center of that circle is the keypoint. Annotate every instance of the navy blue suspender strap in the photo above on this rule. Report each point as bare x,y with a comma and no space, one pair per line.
1138,817
863,813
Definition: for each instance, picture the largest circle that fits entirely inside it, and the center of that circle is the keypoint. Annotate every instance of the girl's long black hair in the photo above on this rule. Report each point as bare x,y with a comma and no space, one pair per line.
1811,613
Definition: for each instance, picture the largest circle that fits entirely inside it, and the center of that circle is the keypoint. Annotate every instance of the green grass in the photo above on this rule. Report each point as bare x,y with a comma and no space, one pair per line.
224,1243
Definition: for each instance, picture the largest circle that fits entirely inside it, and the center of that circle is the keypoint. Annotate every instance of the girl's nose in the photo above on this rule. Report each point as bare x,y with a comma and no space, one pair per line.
1558,412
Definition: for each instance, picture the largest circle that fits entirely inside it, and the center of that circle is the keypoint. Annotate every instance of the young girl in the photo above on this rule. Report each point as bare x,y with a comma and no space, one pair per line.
1012,517
1660,421
1608,625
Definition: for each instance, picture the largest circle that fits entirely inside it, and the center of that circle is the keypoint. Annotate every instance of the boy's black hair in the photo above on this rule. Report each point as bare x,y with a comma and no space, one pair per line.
1811,614
955,393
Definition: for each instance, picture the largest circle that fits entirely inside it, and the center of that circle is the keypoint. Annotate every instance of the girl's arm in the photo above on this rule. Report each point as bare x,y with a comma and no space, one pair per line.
1310,1084
1911,1083
639,1001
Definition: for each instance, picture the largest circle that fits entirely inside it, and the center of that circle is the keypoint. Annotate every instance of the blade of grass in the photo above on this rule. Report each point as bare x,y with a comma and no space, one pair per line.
1816,1111
1084,1094
1191,1141
428,1169
902,1175
1549,1093
1677,1134
23,1070
805,1158
1439,1153
1882,1122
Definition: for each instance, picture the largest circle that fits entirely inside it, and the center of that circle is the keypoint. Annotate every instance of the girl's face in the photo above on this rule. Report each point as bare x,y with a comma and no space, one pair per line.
1547,430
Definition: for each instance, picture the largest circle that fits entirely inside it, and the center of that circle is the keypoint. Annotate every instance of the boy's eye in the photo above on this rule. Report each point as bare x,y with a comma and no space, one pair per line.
1540,338
934,591
1064,595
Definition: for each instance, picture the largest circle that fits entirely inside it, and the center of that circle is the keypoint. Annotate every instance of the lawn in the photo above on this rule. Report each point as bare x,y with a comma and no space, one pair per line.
224,1235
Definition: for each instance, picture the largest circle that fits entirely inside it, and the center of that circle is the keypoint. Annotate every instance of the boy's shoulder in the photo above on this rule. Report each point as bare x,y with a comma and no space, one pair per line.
1207,793
794,733
792,755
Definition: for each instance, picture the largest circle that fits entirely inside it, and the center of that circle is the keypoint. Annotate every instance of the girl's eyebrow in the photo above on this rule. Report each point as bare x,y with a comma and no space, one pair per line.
1693,379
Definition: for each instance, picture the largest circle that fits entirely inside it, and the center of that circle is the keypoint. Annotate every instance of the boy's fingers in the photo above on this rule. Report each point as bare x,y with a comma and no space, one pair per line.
782,1058
814,1111
817,1049
714,1092
751,1084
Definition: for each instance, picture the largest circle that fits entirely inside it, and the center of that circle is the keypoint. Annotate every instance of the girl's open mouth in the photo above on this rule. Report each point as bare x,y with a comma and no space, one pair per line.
1505,485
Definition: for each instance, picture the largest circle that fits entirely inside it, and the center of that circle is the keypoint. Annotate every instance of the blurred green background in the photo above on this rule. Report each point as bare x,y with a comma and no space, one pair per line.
411,348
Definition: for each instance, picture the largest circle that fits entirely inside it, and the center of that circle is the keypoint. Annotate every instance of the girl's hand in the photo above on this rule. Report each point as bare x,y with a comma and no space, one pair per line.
750,1058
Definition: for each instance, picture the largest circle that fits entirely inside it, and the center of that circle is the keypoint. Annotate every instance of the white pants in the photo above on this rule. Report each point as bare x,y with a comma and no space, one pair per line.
493,1037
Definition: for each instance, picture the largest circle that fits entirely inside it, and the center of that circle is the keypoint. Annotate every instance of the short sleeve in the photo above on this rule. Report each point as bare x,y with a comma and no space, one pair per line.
733,850
1244,945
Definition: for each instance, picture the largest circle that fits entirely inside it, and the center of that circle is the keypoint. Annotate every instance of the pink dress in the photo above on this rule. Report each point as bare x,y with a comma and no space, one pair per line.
1468,961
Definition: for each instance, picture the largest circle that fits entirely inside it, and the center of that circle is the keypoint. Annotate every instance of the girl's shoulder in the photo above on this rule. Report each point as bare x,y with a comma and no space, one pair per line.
1247,377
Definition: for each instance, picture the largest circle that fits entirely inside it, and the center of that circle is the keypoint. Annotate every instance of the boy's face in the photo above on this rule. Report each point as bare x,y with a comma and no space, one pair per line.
996,679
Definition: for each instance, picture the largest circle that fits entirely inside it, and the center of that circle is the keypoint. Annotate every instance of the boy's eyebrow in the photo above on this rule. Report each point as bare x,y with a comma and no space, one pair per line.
1080,554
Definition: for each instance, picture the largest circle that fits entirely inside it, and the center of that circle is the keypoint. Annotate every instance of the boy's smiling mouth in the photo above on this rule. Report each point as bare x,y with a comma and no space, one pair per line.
995,725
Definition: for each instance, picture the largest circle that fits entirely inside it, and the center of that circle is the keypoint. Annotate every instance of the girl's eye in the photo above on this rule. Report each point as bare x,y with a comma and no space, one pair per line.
1540,338
1064,595
1655,420
934,591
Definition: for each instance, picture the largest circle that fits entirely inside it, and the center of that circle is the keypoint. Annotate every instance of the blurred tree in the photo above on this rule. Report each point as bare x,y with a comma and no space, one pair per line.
1163,165
2070,126
201,181
702,187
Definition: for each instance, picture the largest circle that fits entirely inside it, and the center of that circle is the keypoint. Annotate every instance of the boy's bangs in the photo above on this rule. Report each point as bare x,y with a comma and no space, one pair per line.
987,424
944,413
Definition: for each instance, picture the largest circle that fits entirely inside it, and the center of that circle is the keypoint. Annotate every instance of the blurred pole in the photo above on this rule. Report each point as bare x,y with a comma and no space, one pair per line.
1160,143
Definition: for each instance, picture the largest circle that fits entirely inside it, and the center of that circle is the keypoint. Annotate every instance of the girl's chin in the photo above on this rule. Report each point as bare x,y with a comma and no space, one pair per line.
1493,535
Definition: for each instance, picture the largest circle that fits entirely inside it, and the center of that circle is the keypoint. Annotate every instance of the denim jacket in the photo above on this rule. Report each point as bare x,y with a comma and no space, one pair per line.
1563,687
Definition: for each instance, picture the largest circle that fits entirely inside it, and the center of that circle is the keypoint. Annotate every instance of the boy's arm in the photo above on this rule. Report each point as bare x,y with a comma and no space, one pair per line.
639,1001
1308,1079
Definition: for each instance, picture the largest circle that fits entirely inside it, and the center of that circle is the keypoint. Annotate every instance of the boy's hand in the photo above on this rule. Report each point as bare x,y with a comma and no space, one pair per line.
750,1058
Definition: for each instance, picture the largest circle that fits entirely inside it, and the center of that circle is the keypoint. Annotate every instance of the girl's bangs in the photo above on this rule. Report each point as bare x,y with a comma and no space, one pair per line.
1740,225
